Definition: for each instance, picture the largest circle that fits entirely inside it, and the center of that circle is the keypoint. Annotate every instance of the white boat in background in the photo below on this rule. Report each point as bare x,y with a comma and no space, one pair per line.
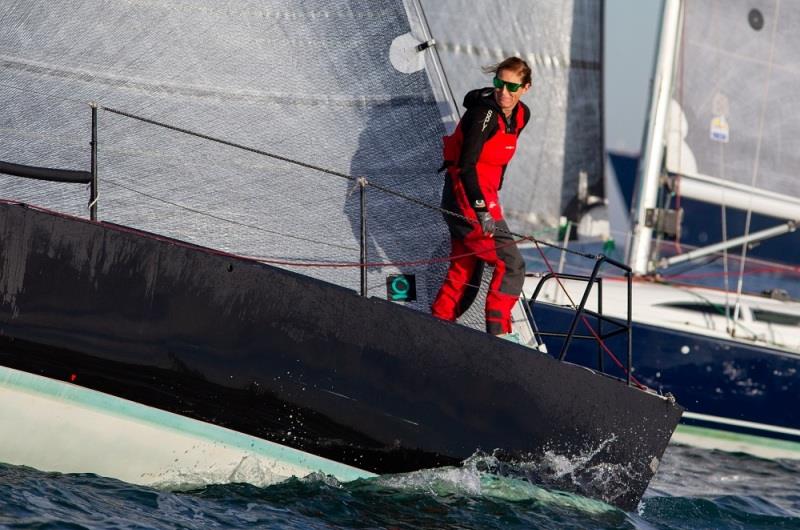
738,380
716,139
762,321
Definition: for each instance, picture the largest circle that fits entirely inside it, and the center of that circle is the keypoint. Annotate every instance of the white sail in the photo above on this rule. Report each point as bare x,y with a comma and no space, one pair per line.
732,126
718,126
317,81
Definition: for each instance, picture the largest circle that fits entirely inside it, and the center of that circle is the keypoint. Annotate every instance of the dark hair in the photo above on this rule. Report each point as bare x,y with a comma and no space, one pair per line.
515,64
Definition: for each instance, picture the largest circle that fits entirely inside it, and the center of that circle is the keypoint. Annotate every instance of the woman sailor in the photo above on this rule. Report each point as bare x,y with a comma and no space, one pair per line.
476,156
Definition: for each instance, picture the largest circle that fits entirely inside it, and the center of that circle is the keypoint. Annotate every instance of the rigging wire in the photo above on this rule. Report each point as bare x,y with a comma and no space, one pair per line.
228,143
678,177
438,59
729,322
339,174
726,273
306,165
377,264
219,218
757,156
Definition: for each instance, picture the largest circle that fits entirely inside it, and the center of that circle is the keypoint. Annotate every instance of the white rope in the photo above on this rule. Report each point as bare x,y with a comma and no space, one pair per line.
756,162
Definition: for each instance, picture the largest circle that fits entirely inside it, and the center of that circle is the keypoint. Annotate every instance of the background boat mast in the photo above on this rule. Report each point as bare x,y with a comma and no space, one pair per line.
653,148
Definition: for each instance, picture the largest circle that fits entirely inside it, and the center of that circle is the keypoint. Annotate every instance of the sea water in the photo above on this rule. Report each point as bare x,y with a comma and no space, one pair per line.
693,489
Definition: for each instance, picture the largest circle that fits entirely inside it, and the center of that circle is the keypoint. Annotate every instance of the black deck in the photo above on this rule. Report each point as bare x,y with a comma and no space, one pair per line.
269,352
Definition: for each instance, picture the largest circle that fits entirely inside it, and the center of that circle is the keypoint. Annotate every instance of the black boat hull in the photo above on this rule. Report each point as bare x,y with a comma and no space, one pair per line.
297,361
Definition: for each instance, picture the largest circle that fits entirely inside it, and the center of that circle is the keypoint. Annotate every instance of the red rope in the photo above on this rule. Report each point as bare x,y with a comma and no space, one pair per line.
759,270
377,264
766,269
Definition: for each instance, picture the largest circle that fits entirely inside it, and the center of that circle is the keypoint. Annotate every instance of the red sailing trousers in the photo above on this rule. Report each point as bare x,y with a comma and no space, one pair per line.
483,143
506,284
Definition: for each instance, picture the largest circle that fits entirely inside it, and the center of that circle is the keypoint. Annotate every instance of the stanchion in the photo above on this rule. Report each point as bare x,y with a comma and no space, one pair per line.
93,184
362,188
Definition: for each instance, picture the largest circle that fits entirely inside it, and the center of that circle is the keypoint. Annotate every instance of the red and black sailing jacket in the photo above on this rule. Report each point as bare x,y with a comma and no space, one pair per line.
476,156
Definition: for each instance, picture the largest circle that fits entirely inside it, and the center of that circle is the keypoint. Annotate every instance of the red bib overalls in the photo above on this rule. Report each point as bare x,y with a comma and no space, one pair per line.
469,244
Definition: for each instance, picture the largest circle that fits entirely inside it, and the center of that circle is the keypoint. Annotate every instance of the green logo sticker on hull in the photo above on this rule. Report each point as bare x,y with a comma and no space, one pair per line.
401,287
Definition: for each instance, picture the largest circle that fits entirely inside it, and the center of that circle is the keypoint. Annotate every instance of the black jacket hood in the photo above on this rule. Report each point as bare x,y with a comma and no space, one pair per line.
481,97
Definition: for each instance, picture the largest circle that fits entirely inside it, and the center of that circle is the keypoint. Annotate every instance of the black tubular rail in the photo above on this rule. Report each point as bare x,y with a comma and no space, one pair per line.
581,311
45,173
64,175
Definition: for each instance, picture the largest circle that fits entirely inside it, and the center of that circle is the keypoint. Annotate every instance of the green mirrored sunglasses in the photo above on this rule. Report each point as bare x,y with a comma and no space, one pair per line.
512,87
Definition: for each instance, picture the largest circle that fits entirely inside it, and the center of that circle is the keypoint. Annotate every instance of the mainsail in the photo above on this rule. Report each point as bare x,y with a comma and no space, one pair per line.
724,84
311,81
558,168
732,133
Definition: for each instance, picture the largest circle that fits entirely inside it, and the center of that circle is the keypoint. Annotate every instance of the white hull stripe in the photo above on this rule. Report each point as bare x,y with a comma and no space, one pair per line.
741,423
759,446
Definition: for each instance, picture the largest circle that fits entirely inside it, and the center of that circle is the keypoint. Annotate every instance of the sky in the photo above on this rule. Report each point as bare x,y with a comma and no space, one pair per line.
631,34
